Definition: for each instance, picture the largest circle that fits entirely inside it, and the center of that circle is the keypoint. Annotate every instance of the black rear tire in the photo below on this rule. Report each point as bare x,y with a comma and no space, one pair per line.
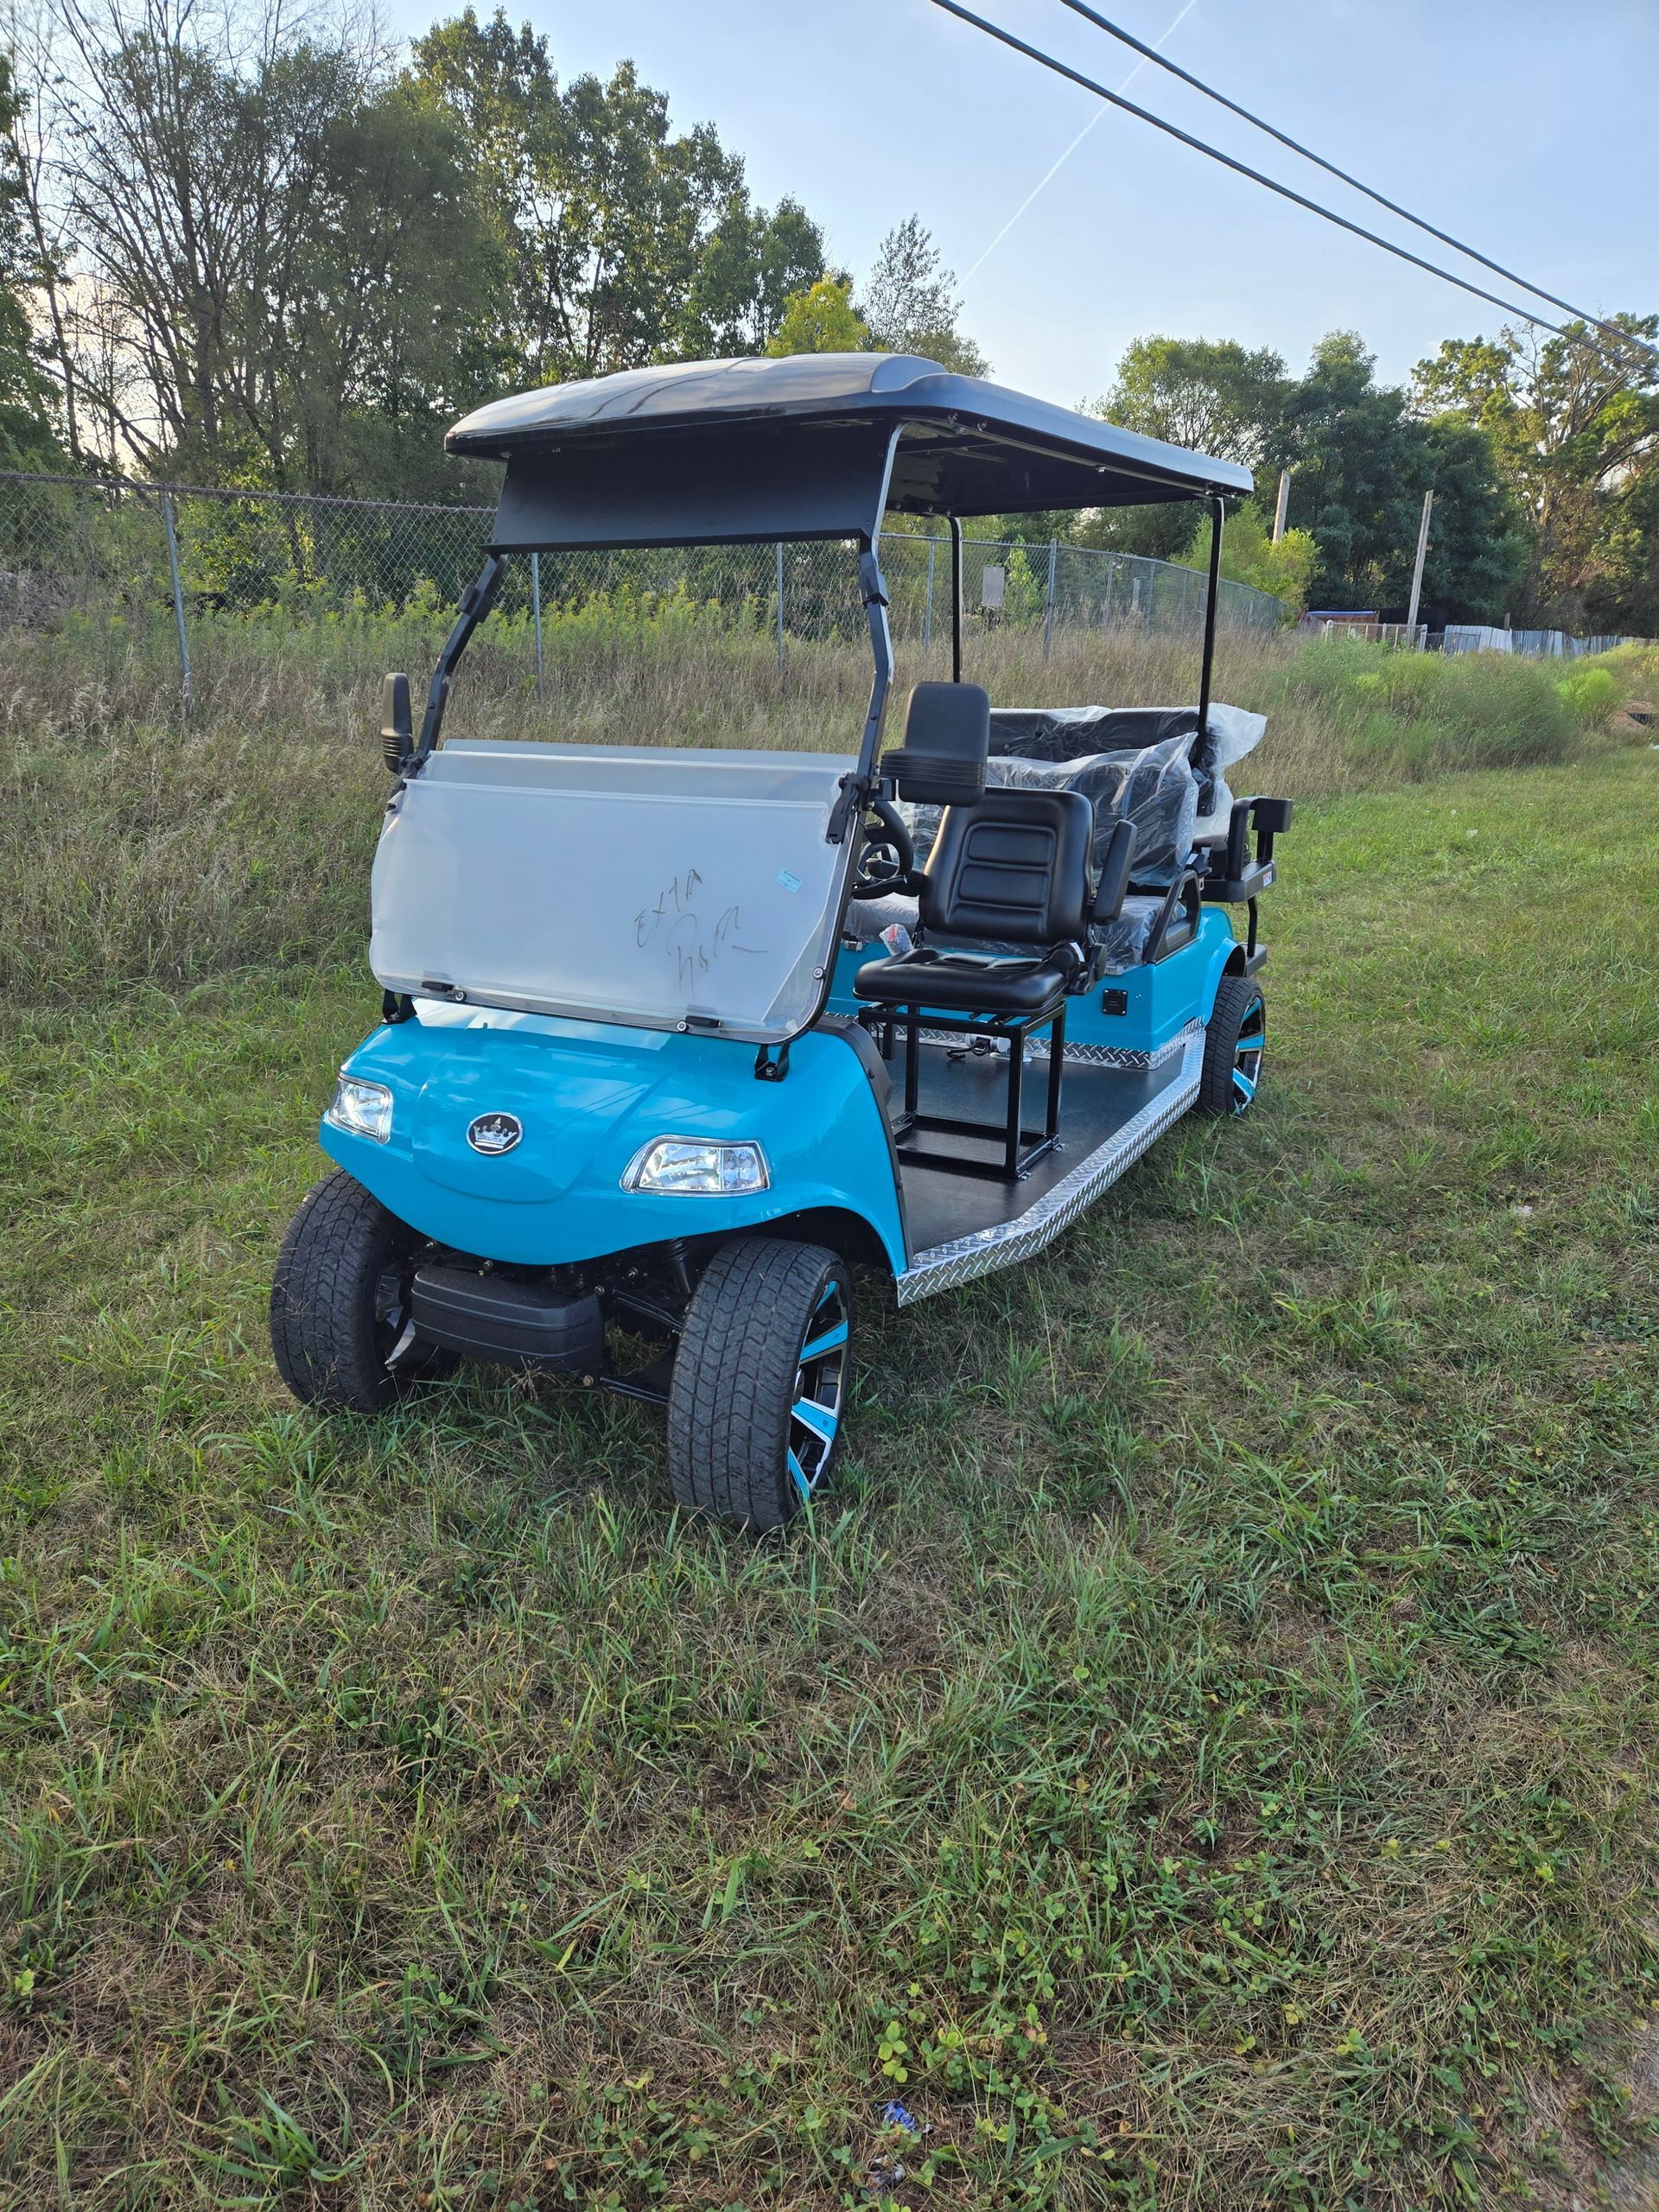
340,1323
1233,1046
755,1407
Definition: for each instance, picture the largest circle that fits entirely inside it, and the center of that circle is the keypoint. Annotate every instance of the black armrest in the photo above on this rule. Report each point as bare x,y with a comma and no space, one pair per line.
1114,873
1236,875
1183,897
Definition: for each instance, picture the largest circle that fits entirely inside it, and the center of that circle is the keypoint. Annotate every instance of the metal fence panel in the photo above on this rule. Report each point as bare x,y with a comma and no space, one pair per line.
182,559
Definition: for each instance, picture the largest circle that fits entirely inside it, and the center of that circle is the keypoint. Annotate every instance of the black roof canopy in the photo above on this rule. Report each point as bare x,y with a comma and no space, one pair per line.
707,451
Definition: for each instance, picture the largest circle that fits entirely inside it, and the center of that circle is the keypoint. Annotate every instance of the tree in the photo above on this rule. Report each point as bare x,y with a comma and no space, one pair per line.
822,319
271,238
621,242
911,306
286,261
1209,395
1362,463
1574,424
753,264
26,435
1250,556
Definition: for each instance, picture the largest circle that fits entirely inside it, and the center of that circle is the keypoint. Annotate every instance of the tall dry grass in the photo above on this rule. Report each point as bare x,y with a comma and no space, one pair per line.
134,848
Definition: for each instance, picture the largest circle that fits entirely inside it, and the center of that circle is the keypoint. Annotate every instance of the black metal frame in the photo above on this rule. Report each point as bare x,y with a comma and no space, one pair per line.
1217,507
1021,1147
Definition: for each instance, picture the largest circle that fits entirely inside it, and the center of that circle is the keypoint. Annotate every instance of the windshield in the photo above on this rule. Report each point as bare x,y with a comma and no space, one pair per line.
668,889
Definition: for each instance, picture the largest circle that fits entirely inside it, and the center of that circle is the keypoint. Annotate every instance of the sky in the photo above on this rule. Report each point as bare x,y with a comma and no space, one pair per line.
1520,125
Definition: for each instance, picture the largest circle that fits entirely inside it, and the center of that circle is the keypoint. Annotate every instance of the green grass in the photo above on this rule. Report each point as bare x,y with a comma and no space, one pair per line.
1204,1756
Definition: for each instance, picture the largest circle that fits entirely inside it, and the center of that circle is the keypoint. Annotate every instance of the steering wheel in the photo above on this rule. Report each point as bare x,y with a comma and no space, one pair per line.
886,857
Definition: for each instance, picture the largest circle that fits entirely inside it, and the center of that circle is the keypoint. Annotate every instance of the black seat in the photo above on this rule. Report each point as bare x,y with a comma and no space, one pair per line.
968,982
1014,867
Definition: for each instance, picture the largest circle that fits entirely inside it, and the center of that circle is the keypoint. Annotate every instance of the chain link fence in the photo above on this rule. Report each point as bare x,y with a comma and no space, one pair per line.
86,555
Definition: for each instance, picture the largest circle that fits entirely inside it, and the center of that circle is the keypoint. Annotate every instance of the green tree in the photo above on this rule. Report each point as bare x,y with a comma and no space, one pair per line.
26,433
821,320
387,337
911,306
1248,555
1210,394
621,241
279,251
1361,462
754,262
1574,424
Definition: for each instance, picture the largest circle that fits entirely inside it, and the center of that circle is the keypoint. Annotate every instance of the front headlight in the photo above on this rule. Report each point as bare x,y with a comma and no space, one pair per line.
363,1109
686,1167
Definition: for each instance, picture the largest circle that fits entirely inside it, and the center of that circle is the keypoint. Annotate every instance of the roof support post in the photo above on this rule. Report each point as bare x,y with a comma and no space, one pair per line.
475,603
955,598
1217,519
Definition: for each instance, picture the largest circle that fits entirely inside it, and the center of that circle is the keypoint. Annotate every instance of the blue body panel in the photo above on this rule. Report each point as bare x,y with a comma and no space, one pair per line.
1163,997
590,1095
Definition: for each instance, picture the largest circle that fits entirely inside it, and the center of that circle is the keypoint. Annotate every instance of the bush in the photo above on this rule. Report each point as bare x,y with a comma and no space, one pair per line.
1592,694
1420,713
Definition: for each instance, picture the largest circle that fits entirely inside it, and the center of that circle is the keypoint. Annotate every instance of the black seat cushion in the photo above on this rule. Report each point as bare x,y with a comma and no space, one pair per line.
967,982
1015,867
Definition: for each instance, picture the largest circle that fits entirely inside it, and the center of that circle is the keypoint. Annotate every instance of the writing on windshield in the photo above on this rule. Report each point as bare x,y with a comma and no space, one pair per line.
674,923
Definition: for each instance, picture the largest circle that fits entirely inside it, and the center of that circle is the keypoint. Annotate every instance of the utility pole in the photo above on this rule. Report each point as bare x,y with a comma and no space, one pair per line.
1417,571
1281,510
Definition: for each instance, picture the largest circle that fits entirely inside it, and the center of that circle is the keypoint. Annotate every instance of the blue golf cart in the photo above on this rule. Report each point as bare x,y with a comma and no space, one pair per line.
675,1038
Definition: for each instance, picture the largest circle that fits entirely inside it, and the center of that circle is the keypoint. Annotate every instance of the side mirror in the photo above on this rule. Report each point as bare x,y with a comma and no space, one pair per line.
397,724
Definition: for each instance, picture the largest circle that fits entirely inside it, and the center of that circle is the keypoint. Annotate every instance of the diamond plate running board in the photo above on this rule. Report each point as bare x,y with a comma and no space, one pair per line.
942,1267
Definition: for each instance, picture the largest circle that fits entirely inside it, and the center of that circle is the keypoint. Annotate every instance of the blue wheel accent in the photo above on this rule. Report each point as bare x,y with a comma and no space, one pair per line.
1246,1056
820,1389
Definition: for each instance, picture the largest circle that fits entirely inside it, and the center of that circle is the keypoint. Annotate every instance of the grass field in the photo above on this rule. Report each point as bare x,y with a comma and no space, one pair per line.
1204,1756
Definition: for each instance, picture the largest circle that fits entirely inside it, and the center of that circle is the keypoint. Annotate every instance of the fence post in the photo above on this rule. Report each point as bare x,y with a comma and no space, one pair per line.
1106,608
780,607
1048,603
178,603
927,611
535,609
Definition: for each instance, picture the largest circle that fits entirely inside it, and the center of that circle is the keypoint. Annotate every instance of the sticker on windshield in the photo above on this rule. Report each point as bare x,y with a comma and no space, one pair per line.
790,883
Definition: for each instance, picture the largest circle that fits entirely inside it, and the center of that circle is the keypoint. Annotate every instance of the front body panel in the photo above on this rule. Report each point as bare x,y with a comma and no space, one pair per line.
589,1097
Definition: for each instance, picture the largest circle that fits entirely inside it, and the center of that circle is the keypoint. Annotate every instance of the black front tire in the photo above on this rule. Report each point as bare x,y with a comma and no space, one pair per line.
760,1390
340,1323
1233,1046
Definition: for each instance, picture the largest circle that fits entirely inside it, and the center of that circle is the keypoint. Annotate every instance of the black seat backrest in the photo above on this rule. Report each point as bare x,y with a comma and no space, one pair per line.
1015,867
947,736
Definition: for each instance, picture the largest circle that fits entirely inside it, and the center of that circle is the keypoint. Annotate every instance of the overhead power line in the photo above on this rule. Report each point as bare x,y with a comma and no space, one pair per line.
1152,54
1257,176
